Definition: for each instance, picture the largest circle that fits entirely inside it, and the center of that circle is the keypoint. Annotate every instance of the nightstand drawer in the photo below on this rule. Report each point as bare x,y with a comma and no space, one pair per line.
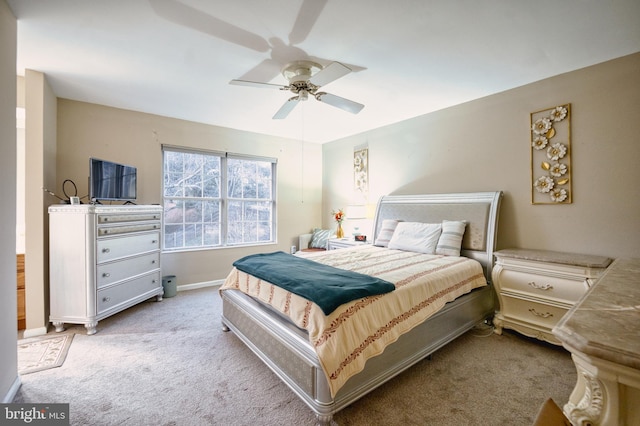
560,289
341,243
531,312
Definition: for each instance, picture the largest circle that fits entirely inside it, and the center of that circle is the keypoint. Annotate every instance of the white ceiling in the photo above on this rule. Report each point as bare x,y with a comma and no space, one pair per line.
176,57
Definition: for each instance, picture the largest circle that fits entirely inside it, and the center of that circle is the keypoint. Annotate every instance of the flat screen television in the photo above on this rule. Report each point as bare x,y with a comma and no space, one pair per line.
109,181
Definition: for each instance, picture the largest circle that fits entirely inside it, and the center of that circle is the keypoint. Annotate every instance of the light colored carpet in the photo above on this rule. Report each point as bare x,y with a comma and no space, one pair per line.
41,353
169,363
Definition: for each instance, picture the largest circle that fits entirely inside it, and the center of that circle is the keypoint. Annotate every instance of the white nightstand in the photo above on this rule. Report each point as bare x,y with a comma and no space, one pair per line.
536,288
340,243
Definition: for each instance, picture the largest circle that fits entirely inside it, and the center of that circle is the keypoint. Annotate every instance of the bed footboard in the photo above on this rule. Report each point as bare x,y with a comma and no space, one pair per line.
286,350
281,345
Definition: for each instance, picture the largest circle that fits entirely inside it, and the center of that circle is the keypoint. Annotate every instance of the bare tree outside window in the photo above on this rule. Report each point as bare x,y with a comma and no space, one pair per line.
217,200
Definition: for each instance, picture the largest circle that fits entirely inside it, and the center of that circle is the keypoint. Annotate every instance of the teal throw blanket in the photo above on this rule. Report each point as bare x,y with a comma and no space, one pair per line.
326,286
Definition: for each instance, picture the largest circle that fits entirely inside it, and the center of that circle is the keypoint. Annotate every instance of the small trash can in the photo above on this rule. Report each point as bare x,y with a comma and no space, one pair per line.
170,285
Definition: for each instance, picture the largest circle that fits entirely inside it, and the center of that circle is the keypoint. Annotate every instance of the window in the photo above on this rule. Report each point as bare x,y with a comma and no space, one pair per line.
214,199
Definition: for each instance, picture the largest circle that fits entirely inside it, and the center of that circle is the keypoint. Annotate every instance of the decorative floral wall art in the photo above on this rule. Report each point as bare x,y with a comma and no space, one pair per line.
361,171
551,156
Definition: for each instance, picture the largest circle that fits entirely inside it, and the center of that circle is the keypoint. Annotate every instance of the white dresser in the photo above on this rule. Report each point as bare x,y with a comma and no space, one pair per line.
103,259
536,288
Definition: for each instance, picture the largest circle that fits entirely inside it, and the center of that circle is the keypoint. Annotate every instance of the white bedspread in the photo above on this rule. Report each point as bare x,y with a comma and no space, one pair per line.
361,329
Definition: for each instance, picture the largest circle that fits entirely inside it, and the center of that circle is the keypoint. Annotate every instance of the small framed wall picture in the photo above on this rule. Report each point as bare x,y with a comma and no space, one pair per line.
361,171
551,156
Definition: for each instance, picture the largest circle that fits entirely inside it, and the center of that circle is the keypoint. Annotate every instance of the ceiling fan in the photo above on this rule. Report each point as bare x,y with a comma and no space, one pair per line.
305,78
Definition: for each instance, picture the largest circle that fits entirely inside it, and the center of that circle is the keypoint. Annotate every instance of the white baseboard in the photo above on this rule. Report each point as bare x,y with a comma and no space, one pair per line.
185,287
13,390
33,332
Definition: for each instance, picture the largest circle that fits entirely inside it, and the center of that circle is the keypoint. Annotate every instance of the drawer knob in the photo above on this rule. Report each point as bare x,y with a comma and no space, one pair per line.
153,262
154,241
106,275
540,314
153,281
106,299
106,250
540,286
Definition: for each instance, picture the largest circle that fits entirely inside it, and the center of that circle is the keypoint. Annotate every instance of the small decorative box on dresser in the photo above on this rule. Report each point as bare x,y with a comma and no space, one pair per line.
536,288
103,259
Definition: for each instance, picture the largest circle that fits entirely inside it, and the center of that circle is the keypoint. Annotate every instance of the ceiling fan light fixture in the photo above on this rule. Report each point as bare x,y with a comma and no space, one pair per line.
300,70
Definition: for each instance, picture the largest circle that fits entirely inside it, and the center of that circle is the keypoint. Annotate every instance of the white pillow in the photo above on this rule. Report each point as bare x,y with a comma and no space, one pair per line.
415,236
450,241
386,232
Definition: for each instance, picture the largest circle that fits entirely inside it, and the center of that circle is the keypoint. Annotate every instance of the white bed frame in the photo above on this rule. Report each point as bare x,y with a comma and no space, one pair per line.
285,348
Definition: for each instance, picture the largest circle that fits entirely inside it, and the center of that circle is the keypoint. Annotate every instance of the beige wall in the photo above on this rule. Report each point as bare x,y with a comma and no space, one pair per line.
88,130
9,380
40,154
20,168
484,145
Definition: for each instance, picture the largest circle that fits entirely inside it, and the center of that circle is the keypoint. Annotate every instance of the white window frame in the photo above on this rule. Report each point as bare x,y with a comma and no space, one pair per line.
223,199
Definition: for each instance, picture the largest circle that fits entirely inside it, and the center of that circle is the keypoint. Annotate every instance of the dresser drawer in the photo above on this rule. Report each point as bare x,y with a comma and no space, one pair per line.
119,247
112,272
128,228
560,289
111,297
127,217
531,312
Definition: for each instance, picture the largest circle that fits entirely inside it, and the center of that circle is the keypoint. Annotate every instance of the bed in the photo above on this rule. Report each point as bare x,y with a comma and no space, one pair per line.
290,347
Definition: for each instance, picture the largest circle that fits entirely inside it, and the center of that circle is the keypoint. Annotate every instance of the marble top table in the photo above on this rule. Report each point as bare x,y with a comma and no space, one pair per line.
585,260
605,323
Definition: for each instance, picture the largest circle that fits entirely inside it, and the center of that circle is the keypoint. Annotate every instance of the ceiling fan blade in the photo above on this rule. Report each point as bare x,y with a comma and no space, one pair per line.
330,73
257,84
307,17
285,109
338,102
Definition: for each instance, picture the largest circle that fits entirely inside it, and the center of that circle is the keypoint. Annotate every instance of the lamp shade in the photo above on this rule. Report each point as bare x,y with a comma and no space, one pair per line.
356,211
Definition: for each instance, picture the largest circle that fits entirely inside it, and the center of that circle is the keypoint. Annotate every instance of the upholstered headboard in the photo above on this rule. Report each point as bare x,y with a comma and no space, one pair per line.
479,209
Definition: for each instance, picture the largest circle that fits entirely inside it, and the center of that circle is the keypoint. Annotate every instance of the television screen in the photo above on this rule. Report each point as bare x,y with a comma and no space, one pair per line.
111,181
